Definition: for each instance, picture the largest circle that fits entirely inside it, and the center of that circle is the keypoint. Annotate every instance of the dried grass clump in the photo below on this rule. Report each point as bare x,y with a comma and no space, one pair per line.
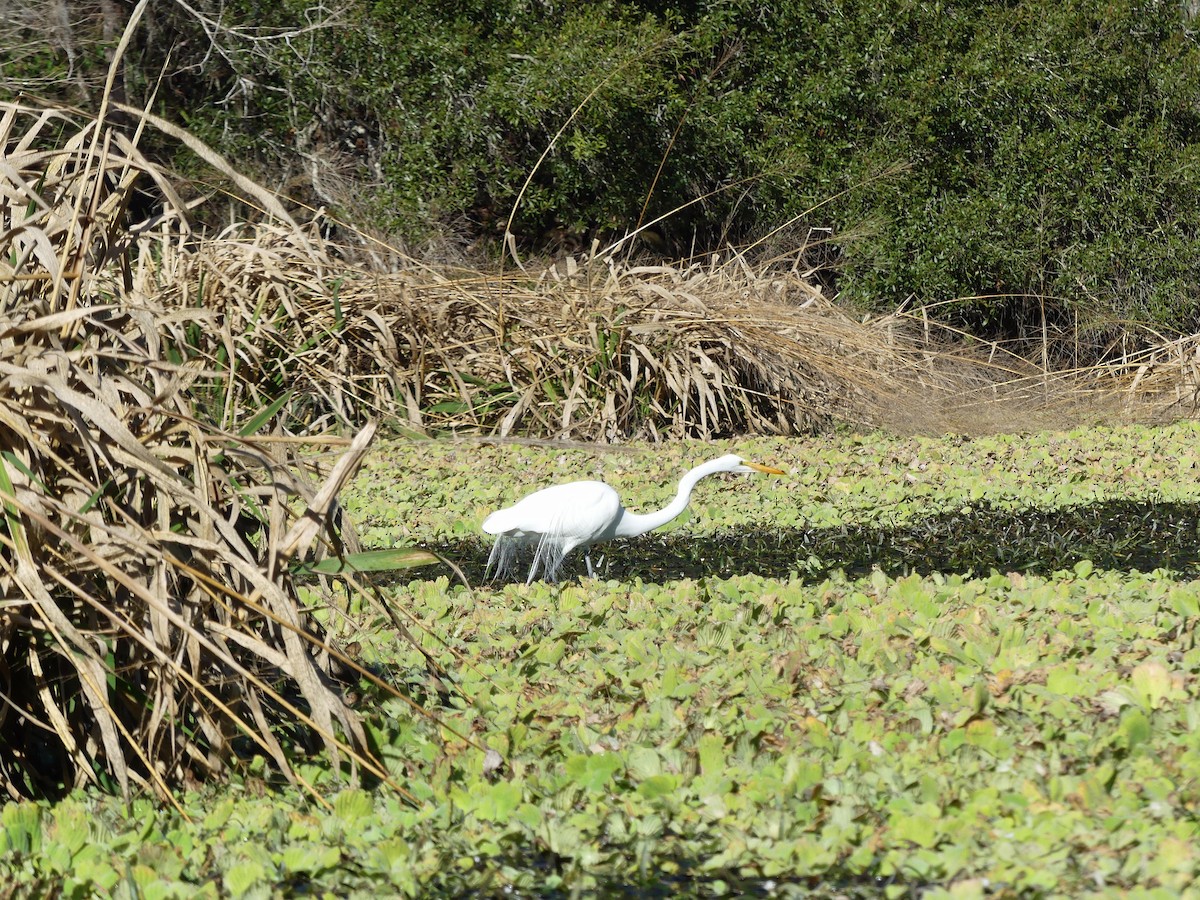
606,351
264,318
600,352
1163,377
594,350
150,632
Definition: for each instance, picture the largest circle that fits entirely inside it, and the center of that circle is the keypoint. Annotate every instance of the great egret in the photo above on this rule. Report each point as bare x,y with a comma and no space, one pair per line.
556,520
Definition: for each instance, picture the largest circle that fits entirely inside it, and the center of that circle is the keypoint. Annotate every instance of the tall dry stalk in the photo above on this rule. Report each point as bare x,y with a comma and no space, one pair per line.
150,631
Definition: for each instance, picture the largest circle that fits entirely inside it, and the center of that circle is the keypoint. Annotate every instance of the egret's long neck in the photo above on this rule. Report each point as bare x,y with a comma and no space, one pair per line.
633,524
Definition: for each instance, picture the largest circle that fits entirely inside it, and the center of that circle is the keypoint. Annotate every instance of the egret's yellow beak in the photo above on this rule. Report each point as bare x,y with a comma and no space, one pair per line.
768,469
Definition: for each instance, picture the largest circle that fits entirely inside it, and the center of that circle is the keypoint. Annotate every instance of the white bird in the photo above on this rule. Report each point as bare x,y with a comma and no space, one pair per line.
556,520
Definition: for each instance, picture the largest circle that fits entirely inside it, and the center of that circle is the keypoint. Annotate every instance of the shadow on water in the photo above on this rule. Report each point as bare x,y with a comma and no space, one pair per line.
1120,535
688,882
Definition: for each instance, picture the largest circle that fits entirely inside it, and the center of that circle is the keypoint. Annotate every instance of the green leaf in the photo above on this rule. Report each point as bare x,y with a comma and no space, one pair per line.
373,561
1134,728
1065,681
658,786
92,867
644,762
529,815
550,652
17,463
497,802
335,297
1152,683
242,876
1185,602
449,407
22,828
711,750
265,415
12,515
57,857
71,827
219,815
920,825
352,805
593,772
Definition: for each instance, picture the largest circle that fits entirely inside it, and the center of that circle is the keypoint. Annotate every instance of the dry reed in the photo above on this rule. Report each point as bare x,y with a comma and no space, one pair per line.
598,350
150,631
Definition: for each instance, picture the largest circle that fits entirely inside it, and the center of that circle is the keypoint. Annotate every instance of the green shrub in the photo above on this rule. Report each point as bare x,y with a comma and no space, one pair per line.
1035,156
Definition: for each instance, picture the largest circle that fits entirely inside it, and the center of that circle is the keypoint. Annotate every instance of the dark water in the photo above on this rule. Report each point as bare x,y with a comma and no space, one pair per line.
687,881
1120,535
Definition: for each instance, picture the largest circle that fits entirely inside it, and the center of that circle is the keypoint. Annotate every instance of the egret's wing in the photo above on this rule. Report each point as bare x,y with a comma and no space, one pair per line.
576,514
525,519
586,513
571,514
555,521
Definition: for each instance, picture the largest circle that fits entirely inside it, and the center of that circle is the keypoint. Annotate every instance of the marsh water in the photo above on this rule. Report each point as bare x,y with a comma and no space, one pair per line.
976,539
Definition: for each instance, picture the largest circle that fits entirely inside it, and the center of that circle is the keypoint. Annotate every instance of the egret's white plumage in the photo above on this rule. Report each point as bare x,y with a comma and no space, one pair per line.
556,520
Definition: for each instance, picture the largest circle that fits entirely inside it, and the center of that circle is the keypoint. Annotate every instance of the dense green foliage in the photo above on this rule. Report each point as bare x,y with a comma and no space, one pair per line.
957,734
1040,153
